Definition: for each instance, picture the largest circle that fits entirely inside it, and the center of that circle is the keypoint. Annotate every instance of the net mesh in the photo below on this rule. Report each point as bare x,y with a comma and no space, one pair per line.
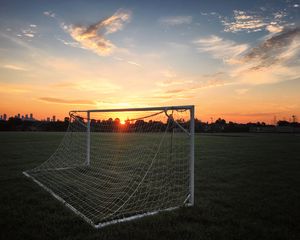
128,164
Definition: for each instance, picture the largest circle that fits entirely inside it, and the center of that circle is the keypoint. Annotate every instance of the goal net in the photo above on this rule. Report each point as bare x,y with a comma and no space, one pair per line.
121,164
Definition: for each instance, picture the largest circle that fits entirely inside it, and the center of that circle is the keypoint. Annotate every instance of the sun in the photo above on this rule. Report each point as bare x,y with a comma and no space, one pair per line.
122,122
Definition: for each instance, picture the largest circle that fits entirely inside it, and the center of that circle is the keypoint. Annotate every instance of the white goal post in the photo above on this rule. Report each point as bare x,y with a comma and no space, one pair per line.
116,165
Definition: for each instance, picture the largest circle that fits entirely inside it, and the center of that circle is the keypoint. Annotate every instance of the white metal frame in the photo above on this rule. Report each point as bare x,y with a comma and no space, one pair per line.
192,155
88,139
190,198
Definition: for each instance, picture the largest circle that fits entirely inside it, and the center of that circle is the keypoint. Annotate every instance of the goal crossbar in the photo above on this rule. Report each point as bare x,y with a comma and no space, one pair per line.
137,109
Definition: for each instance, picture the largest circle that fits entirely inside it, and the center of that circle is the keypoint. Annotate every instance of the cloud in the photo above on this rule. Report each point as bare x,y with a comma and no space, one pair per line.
244,22
254,21
166,96
120,59
173,82
14,67
259,114
241,91
190,84
93,37
176,20
177,90
168,73
28,32
274,59
101,86
177,46
71,44
274,28
49,14
278,48
66,101
20,42
29,35
210,14
219,48
14,88
117,104
134,63
187,88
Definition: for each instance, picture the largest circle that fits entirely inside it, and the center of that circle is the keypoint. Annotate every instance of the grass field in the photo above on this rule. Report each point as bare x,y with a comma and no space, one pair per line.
247,186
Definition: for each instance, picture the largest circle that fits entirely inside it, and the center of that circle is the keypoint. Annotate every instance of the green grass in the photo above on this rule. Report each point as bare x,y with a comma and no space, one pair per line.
247,186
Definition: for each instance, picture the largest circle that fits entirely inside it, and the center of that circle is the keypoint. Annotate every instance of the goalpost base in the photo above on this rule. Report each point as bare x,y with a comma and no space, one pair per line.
60,199
101,225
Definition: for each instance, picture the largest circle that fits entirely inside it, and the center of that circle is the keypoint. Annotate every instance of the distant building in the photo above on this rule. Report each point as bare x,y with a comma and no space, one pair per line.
287,129
19,115
263,129
26,116
4,116
31,116
48,119
274,129
53,118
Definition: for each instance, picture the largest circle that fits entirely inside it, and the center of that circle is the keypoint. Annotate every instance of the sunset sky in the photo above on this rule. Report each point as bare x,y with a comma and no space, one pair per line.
239,60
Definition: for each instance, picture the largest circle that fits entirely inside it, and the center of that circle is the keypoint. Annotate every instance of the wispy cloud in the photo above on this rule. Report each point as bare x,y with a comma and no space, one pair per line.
189,87
66,101
69,43
274,59
18,41
253,114
278,48
173,82
241,91
175,20
101,86
14,67
14,88
219,48
186,88
169,73
93,37
134,63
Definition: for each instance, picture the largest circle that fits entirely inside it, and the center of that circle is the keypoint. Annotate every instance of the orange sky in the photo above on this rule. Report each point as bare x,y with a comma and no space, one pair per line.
243,66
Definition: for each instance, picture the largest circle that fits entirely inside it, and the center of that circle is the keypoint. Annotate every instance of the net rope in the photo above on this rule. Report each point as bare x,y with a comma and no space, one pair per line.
139,163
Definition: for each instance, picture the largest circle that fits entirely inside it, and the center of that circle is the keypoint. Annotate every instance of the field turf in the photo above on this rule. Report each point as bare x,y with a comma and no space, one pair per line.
247,186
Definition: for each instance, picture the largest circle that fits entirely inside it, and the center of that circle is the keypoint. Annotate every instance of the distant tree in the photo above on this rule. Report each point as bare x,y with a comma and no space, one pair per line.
117,121
283,123
220,121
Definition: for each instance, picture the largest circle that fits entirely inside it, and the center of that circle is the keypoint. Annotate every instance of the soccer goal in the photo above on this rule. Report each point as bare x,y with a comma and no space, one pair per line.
118,165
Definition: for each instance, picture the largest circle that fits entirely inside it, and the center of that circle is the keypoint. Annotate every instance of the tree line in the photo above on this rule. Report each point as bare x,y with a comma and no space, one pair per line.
220,125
